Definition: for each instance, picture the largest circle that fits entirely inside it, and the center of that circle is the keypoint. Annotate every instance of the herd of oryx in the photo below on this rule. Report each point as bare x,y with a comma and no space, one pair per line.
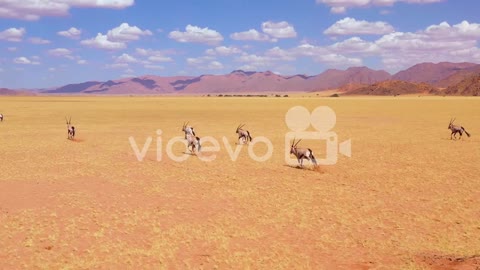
244,137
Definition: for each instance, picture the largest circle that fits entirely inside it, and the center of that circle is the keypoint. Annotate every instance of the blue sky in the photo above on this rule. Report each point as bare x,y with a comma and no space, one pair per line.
56,42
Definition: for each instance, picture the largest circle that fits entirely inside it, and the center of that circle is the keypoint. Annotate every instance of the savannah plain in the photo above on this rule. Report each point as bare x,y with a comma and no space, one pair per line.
407,198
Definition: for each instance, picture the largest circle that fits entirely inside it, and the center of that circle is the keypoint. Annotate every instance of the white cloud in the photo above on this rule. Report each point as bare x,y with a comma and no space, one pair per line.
215,65
25,61
12,49
279,29
82,62
158,58
280,54
125,32
197,34
437,43
102,42
72,33
251,34
125,58
355,45
254,62
461,31
39,41
35,9
12,34
205,62
198,61
61,52
223,51
341,6
116,38
350,26
338,60
154,55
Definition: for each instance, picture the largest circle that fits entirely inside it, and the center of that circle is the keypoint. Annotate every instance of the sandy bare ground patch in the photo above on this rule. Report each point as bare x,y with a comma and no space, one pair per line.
407,197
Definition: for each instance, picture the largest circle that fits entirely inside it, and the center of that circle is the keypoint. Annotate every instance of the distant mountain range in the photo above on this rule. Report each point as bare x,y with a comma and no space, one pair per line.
427,78
10,92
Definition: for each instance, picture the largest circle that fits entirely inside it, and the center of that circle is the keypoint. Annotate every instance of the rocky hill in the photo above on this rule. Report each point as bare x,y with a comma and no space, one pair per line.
394,88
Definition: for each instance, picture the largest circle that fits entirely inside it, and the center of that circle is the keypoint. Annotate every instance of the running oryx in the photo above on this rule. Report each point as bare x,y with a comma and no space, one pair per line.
70,129
188,130
302,153
456,129
1,117
192,139
243,134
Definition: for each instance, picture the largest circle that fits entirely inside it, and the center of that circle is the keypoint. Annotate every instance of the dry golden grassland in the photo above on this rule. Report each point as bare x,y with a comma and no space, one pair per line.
408,198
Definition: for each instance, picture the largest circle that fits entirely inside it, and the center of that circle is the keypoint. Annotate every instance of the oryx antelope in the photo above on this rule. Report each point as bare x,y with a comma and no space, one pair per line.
302,153
456,129
70,129
192,140
243,134
1,117
188,130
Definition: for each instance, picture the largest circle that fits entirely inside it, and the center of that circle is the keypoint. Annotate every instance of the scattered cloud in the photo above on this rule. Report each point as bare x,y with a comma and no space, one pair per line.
125,33
461,31
251,34
116,38
255,62
280,54
72,33
272,31
61,52
12,34
355,45
215,65
125,58
341,6
338,60
39,41
33,10
279,29
398,50
350,26
223,51
197,35
25,61
198,61
102,42
117,65
154,55
205,62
